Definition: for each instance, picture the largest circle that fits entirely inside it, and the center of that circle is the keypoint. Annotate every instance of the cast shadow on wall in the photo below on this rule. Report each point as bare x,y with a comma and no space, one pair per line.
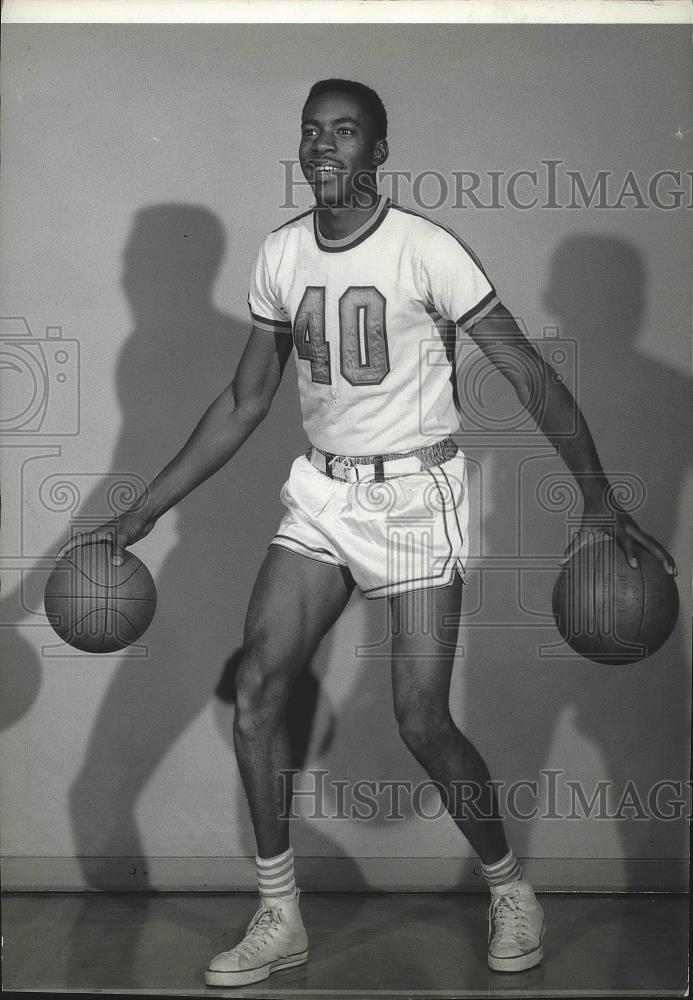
181,352
635,406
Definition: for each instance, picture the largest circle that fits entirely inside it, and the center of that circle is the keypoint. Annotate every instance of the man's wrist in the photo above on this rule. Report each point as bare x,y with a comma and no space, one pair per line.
595,489
145,507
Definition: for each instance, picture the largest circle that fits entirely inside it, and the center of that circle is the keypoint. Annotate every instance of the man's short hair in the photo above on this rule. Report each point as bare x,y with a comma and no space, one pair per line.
366,95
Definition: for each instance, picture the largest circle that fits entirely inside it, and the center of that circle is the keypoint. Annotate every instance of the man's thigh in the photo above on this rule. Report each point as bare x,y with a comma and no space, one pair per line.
425,626
294,603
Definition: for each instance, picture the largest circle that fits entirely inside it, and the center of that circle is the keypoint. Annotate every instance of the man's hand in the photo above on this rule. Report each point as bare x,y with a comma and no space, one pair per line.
120,533
616,523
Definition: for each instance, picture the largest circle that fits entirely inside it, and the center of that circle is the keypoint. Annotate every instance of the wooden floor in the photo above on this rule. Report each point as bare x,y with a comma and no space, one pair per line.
361,945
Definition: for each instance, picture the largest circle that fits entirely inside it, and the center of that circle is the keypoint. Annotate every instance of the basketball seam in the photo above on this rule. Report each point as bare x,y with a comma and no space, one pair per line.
117,611
94,611
96,582
132,625
73,625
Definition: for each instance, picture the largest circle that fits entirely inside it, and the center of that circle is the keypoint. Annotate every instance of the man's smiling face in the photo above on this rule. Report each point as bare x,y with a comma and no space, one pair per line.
339,152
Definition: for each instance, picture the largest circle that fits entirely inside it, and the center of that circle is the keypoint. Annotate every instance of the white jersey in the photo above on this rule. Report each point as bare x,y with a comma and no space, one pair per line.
374,318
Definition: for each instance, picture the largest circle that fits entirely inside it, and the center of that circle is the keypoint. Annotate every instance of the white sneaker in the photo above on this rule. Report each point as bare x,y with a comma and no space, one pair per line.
275,939
515,928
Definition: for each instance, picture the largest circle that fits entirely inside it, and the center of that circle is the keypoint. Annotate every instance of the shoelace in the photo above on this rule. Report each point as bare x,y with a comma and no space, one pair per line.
260,929
507,916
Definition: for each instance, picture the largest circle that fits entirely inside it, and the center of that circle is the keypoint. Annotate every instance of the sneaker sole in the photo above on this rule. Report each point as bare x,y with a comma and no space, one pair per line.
242,977
518,963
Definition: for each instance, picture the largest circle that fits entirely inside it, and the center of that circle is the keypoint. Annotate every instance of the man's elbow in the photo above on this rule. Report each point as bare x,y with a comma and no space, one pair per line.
530,377
251,409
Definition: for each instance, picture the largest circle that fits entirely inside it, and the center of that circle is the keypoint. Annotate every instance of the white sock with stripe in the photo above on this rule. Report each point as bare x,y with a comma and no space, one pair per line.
275,876
501,874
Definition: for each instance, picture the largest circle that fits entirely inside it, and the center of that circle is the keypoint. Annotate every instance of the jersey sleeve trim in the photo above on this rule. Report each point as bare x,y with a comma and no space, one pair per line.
477,312
271,325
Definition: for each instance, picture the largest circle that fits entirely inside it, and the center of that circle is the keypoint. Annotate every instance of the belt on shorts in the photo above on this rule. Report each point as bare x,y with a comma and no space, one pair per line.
358,468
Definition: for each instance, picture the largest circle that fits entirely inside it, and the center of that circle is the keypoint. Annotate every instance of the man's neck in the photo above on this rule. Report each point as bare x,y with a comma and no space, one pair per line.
339,222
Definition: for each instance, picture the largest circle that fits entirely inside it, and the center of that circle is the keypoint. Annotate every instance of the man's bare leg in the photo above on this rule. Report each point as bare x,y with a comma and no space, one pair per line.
425,625
294,603
424,636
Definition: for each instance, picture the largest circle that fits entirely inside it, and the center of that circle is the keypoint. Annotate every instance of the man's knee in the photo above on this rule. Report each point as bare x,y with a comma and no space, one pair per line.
424,730
262,686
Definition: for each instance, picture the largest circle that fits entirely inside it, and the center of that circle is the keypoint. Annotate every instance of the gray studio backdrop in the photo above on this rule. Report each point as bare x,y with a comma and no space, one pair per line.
141,172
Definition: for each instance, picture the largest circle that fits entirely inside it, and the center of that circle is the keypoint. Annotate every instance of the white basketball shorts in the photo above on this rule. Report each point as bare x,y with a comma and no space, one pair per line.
405,533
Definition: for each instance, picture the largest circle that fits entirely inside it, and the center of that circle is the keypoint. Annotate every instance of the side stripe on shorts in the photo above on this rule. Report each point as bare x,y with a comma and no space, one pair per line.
451,556
454,505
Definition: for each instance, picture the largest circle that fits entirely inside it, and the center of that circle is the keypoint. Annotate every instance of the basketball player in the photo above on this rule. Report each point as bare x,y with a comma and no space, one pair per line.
356,286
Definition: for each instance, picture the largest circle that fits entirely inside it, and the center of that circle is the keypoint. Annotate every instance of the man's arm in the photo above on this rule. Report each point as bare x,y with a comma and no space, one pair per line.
558,416
227,423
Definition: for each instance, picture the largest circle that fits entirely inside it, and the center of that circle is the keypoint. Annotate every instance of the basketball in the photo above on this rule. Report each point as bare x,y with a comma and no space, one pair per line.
609,611
98,607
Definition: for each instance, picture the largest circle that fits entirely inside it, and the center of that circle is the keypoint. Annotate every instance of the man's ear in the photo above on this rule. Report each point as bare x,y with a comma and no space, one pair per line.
380,152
